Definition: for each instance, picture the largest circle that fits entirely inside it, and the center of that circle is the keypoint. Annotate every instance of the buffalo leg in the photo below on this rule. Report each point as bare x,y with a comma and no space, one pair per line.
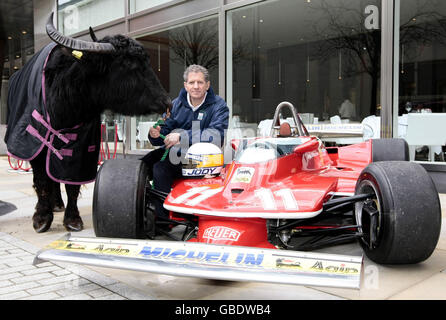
58,205
72,220
43,215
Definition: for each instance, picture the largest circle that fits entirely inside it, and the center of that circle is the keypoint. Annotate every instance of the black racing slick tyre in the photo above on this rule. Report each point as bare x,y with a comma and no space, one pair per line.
119,199
400,221
390,150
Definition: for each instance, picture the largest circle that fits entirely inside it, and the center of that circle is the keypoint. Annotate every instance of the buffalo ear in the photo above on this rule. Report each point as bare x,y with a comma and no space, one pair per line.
72,53
92,35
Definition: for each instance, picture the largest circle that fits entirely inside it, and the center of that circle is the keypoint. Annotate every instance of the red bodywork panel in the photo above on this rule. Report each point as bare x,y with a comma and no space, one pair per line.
232,207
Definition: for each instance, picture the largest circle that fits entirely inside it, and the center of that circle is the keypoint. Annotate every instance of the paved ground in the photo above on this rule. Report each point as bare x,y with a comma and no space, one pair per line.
19,279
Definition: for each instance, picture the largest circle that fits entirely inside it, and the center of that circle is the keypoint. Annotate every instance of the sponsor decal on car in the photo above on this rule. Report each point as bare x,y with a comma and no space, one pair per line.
105,249
90,247
214,255
204,256
75,246
317,266
288,263
199,171
243,174
221,233
322,266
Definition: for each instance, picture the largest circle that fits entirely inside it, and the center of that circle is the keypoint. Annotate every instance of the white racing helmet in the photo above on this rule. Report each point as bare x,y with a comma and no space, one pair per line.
203,159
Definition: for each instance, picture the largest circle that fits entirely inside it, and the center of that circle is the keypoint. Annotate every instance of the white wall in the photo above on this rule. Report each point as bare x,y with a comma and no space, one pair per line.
42,9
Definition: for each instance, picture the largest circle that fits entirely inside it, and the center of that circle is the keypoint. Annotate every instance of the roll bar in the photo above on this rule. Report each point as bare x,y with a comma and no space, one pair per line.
298,124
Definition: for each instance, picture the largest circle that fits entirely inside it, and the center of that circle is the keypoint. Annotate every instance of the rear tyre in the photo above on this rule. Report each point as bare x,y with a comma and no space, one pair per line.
401,219
390,150
119,199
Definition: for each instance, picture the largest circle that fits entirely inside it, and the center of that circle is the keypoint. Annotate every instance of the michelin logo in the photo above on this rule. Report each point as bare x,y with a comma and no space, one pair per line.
240,258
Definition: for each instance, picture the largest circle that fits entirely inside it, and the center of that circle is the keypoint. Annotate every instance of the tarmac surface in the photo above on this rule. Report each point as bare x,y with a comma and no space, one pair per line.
19,279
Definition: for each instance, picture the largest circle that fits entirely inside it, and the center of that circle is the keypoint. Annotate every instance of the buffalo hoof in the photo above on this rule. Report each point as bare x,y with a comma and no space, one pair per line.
42,223
73,224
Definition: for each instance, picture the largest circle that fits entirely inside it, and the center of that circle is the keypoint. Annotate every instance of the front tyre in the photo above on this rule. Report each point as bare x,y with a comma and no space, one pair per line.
119,199
401,220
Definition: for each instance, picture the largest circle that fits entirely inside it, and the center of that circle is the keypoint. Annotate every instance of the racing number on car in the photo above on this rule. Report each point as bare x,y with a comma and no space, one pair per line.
205,192
198,194
266,196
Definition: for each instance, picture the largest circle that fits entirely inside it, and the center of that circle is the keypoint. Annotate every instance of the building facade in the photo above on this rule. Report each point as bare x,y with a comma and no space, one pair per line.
379,63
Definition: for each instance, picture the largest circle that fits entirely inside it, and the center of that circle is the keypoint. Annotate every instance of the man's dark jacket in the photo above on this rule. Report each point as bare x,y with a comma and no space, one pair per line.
212,117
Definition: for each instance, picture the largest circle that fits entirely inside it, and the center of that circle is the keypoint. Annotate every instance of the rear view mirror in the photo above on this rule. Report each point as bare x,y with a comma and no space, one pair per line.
308,146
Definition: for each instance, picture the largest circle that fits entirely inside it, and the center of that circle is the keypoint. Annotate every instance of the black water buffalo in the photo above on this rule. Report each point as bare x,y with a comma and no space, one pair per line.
54,108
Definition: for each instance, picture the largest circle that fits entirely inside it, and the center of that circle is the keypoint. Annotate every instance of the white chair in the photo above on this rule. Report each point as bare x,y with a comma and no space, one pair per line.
264,128
307,118
120,131
402,126
143,132
335,120
426,129
372,127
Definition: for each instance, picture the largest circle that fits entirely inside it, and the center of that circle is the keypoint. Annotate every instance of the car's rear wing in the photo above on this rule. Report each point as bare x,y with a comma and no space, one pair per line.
208,261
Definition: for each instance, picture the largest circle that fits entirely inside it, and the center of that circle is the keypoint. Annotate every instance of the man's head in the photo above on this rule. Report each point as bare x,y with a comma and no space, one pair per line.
196,82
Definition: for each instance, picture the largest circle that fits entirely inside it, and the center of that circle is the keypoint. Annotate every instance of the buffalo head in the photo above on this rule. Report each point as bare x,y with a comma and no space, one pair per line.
113,73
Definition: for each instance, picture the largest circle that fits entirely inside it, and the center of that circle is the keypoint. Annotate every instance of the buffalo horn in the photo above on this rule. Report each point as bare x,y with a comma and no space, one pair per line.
75,44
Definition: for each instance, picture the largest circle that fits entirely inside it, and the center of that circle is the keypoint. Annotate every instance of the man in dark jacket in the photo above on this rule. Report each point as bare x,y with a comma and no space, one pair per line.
197,115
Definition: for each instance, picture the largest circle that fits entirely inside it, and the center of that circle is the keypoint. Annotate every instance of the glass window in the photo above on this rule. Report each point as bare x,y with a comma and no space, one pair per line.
78,15
139,5
16,45
422,78
323,56
171,51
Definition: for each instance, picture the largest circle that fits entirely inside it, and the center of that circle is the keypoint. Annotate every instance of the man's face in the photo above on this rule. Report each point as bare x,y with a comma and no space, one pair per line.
196,86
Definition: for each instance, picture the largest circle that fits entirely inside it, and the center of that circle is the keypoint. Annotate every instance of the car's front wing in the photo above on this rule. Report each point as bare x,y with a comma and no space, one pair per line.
208,261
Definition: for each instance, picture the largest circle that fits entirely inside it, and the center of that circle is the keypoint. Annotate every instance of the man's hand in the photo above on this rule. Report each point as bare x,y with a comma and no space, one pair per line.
154,132
172,139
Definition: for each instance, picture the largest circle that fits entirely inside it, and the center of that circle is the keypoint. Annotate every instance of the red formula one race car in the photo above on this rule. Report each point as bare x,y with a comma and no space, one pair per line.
287,191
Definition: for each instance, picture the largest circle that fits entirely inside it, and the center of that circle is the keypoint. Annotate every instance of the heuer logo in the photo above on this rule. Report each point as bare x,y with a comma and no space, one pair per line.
221,233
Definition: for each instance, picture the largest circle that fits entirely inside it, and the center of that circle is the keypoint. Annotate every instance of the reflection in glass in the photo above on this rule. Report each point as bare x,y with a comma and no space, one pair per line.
139,5
315,55
422,79
77,15
422,43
